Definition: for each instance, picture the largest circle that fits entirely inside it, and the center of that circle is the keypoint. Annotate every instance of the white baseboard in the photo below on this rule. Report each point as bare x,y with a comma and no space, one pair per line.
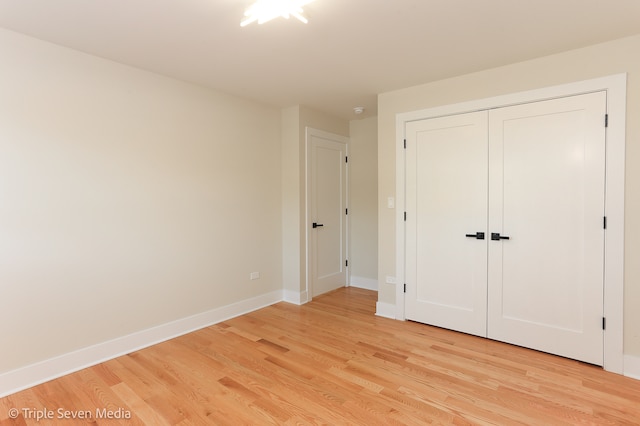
35,374
297,298
366,283
632,366
386,310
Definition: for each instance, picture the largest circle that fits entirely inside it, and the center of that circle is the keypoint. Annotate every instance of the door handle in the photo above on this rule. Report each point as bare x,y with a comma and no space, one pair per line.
495,236
477,235
316,225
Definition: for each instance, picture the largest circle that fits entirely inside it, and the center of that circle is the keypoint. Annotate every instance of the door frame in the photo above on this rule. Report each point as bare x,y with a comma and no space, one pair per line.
309,133
616,88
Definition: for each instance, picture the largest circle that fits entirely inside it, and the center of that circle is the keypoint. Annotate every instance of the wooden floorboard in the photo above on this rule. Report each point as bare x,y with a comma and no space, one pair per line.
332,361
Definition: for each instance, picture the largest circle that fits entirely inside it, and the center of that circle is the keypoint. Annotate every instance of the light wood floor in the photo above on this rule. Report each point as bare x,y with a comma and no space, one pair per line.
333,362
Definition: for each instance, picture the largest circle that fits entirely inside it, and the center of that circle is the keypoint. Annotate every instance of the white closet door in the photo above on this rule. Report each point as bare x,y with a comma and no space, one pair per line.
546,193
446,271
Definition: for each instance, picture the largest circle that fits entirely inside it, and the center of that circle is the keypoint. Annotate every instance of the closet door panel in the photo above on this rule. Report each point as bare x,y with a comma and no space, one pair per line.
546,194
446,270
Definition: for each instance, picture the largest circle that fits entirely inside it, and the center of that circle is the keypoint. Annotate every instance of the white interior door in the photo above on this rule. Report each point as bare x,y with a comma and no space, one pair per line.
446,184
546,193
531,177
328,203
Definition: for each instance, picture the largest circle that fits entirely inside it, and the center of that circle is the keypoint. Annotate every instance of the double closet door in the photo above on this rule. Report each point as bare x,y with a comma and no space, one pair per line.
504,229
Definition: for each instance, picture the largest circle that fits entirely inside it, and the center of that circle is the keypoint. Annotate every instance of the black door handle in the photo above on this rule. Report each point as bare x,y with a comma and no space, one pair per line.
477,235
316,225
495,236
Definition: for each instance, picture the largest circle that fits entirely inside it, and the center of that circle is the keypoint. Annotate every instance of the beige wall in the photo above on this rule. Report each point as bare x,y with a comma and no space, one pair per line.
363,198
292,268
591,62
294,252
128,200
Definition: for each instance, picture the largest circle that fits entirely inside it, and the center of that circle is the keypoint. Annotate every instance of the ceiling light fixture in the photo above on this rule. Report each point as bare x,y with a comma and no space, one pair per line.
266,10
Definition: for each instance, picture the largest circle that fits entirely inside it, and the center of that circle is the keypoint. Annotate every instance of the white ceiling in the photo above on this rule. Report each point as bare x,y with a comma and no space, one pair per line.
350,51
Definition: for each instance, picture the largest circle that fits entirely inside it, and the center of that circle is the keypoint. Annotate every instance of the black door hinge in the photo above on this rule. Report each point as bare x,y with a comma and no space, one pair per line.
405,144
604,323
405,216
346,263
606,120
405,288
346,211
346,159
604,222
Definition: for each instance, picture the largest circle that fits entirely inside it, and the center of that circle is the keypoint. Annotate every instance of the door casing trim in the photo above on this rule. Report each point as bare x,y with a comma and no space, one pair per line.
309,132
616,88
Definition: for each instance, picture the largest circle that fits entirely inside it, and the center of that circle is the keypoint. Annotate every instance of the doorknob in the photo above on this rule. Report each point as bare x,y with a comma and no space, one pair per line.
316,225
495,236
477,235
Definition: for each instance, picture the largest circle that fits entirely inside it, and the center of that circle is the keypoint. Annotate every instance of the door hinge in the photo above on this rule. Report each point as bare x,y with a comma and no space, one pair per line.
606,120
604,323
405,288
346,263
604,222
405,144
405,216
346,159
346,211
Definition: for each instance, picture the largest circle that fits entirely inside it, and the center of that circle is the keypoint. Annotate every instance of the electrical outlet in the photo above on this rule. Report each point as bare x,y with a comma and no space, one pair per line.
254,276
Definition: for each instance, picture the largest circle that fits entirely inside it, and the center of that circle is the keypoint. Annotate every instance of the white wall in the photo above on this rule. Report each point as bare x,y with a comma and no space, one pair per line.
615,57
127,200
292,186
363,201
